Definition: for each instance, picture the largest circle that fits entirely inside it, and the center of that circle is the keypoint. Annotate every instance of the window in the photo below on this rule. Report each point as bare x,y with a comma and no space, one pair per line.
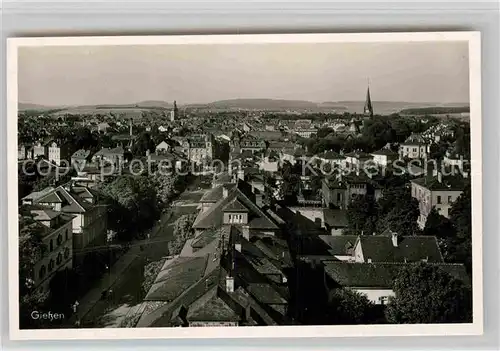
51,265
439,199
59,259
450,200
66,252
338,197
384,299
42,272
59,240
51,245
67,234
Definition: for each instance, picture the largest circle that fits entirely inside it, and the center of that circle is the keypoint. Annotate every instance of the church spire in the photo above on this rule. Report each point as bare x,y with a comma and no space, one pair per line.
368,110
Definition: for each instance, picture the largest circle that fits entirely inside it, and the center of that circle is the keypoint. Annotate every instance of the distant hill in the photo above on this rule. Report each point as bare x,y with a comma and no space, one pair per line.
155,103
22,106
263,104
380,107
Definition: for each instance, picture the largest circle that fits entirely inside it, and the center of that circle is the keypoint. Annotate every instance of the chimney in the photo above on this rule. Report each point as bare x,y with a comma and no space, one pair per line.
440,177
394,239
430,169
224,191
246,232
258,200
241,174
229,284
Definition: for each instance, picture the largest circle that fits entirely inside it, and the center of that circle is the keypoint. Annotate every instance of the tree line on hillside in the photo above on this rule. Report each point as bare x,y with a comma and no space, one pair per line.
435,110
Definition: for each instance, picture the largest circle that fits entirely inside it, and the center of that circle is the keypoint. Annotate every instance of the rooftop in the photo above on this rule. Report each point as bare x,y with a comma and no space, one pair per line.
447,183
214,215
380,248
378,275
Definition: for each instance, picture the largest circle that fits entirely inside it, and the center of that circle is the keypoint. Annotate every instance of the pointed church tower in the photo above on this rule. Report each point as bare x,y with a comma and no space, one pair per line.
174,114
368,110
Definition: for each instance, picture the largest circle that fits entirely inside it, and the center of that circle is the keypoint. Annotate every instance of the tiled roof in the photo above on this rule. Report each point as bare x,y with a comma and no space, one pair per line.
235,206
215,194
205,238
265,293
258,259
45,214
70,203
212,307
342,245
378,275
335,218
214,215
105,151
447,183
52,197
385,152
379,248
176,277
362,275
358,155
37,194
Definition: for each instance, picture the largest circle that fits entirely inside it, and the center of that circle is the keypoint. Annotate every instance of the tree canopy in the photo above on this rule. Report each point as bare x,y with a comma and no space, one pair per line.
132,204
400,218
426,294
346,306
182,231
362,215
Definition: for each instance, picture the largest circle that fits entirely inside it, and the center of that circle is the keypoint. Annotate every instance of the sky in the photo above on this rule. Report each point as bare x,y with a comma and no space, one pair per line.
84,75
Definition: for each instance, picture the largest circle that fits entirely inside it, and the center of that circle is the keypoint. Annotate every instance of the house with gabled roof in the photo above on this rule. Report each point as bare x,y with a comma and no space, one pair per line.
414,147
90,218
238,206
384,157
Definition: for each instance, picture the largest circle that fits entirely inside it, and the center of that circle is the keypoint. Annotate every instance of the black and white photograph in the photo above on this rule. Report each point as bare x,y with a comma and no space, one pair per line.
314,184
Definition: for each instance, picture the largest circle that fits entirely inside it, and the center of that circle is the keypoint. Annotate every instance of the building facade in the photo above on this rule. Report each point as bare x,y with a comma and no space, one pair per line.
434,193
57,240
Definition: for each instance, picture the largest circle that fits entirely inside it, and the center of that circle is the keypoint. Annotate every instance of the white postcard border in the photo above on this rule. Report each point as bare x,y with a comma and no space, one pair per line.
475,328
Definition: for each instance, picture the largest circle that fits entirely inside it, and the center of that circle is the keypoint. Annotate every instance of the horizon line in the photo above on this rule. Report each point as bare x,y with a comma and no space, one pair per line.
234,99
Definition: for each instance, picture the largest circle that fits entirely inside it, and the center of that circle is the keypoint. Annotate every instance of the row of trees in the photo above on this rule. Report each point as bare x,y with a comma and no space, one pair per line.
182,231
135,202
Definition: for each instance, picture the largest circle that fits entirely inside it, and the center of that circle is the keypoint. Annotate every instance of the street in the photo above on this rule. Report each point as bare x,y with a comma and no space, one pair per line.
125,282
